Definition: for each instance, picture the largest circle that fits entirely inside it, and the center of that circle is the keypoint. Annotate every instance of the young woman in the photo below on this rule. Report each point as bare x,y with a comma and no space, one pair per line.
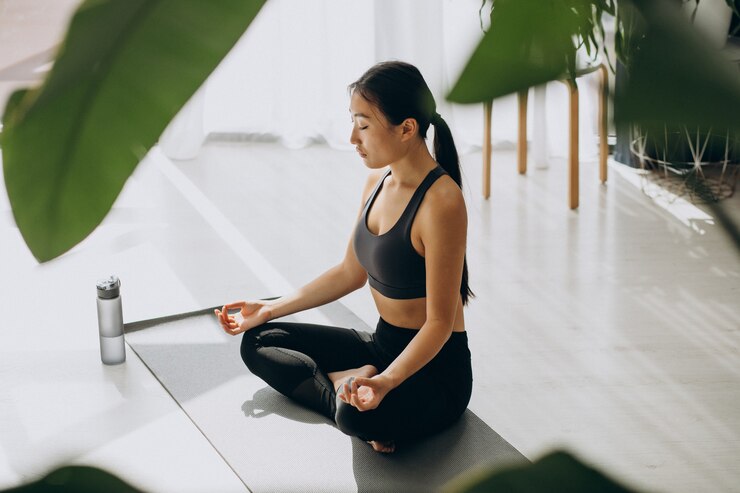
412,376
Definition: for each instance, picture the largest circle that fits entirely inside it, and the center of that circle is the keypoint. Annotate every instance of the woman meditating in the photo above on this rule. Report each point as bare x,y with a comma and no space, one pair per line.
412,377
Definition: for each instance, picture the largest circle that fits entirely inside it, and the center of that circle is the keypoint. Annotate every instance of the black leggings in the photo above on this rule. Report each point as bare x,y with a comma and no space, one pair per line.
295,358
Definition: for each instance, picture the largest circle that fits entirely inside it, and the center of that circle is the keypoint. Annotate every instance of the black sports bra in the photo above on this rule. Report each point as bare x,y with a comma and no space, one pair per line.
394,268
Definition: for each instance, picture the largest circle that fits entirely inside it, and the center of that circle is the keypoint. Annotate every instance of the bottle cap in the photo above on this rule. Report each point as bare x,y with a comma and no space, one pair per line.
109,288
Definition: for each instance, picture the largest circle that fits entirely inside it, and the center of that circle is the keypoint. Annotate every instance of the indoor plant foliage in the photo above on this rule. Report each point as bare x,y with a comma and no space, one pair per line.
123,71
677,82
534,41
676,146
127,66
530,42
675,78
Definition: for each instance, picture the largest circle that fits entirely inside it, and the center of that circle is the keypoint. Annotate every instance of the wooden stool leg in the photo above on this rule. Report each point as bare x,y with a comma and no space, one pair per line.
603,122
487,110
522,139
573,145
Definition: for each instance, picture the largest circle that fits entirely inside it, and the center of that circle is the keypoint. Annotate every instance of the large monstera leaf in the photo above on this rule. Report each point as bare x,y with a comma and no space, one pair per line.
529,42
124,70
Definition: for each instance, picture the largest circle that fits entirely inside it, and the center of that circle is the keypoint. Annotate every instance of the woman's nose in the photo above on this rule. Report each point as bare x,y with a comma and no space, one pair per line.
353,137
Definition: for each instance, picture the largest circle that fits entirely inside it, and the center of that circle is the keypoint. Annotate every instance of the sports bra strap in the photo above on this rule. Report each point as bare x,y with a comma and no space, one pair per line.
372,195
416,199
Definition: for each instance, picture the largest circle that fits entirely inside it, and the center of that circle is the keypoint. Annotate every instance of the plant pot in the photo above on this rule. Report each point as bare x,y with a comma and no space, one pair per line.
704,161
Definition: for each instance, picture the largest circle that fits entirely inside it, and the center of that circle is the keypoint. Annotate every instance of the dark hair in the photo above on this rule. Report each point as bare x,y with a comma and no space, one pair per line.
399,91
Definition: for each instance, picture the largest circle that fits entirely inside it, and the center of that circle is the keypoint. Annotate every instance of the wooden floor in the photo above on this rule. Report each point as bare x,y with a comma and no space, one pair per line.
612,331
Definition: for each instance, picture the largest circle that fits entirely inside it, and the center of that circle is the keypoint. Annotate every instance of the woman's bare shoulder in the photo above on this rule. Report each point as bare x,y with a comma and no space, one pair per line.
443,206
445,194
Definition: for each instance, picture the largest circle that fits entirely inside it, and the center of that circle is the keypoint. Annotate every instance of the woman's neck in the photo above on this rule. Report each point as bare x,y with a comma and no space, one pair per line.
413,166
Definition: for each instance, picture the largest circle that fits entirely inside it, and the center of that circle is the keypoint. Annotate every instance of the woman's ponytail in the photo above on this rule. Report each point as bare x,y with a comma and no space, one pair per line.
445,153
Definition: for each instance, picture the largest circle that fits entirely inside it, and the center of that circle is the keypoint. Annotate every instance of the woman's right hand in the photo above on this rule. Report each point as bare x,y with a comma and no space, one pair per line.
251,314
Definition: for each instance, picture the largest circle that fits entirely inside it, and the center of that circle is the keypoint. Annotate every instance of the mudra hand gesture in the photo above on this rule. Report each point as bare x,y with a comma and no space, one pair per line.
365,393
251,314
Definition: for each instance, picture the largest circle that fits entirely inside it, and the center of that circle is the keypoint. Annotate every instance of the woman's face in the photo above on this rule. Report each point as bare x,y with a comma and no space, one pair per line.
377,141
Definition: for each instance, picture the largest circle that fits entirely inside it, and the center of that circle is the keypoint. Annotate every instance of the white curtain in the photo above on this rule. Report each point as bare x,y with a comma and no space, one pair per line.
287,77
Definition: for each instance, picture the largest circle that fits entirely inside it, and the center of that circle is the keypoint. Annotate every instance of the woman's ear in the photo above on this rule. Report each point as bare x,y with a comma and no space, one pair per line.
409,129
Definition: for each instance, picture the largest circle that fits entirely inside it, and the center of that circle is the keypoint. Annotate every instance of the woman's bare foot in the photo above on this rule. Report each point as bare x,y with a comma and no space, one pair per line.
383,447
339,378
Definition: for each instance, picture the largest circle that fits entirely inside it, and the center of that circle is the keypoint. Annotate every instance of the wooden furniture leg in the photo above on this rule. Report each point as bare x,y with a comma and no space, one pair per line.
522,138
603,122
573,144
487,110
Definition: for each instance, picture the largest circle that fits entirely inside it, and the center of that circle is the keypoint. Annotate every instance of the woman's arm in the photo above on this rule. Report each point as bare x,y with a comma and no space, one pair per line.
443,230
333,284
336,282
340,280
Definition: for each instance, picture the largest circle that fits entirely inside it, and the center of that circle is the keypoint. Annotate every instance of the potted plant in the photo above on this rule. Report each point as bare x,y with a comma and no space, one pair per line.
700,161
666,64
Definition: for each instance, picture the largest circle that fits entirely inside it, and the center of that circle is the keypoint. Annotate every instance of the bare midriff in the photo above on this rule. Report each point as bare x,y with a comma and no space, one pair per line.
412,313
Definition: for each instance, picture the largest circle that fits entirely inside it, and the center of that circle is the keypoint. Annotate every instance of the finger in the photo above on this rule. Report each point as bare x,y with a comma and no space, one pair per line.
357,403
235,305
363,381
233,332
347,393
217,312
230,324
227,319
221,320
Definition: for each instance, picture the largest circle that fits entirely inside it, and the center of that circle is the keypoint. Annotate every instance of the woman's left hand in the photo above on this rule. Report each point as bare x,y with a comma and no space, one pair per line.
366,393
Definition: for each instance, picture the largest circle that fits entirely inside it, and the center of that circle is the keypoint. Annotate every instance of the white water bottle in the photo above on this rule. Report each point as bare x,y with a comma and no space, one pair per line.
110,321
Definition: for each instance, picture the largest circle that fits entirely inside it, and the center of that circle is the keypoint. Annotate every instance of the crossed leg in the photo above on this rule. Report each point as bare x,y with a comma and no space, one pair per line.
309,363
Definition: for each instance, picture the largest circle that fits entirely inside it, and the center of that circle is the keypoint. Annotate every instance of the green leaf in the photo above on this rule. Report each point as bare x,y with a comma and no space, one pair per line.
557,471
76,479
675,77
124,70
529,42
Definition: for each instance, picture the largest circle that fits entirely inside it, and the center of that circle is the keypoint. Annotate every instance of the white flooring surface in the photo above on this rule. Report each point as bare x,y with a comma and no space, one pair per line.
612,331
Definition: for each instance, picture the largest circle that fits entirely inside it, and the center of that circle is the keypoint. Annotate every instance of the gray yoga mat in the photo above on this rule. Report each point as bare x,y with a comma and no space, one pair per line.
271,443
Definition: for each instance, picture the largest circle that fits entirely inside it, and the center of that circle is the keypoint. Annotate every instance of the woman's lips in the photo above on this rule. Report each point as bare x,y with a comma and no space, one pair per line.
362,154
